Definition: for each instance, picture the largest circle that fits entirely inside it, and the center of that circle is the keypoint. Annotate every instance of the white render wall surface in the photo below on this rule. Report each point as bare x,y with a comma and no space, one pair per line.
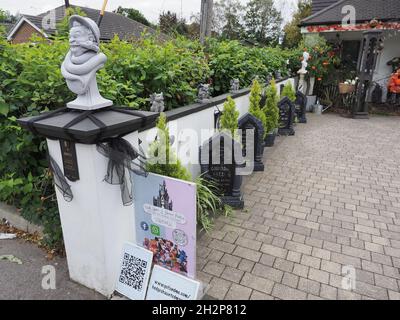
95,223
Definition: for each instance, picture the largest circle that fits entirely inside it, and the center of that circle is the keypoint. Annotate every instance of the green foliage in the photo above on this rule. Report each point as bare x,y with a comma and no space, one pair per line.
271,109
31,83
255,107
263,22
209,204
163,160
323,57
134,15
229,60
288,91
63,25
292,30
230,117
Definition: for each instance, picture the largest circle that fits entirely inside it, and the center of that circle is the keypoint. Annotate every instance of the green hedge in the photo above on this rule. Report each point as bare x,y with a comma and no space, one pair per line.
31,82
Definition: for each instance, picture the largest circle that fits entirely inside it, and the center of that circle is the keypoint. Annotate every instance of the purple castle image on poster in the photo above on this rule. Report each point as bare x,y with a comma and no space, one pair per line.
165,213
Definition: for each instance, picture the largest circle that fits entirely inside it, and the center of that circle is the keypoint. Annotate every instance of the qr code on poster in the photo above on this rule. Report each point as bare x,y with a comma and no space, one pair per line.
133,272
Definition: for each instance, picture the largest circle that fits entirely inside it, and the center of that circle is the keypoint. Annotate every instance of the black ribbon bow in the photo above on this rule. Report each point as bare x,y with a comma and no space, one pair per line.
60,181
122,156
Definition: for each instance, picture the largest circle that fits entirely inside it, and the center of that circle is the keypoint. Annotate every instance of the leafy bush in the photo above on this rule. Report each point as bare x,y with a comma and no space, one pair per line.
230,117
209,204
271,109
288,91
229,60
31,82
255,108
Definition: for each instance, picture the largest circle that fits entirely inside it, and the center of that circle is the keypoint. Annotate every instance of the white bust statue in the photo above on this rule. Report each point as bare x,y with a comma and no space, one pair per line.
82,62
304,63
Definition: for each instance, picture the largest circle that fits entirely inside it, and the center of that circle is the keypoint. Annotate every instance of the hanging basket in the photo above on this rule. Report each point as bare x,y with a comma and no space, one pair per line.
346,88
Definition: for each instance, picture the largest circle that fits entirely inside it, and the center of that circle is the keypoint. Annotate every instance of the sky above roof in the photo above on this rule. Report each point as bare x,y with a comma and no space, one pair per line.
150,8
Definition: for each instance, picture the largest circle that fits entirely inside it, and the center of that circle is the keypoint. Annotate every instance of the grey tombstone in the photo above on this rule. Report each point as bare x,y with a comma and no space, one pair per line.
219,162
287,112
301,106
254,148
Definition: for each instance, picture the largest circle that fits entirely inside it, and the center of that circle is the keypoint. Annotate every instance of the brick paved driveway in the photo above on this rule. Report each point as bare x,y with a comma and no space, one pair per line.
329,197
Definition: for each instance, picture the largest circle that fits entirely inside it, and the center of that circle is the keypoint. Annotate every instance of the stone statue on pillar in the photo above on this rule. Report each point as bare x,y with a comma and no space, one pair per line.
82,62
302,72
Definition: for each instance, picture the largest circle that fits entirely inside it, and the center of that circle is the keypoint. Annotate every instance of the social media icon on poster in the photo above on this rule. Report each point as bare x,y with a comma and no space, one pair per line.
144,226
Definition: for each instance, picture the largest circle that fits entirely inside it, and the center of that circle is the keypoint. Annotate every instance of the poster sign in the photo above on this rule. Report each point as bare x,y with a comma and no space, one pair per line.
165,213
167,285
134,274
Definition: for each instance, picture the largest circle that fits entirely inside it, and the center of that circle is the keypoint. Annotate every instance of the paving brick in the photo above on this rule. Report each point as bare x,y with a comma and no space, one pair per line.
391,272
328,292
218,288
290,279
222,246
286,293
354,252
249,243
256,295
386,282
232,274
321,253
331,267
247,254
238,292
294,256
311,261
371,291
346,260
284,265
215,255
267,272
246,265
371,266
230,261
257,283
394,295
309,286
348,295
318,275
298,247
300,270
274,251
264,238
214,268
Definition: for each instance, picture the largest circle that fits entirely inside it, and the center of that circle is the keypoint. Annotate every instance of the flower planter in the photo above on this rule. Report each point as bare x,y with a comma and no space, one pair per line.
346,88
269,140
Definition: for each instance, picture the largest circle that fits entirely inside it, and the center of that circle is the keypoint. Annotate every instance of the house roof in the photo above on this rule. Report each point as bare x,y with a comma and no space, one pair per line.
7,26
366,10
111,25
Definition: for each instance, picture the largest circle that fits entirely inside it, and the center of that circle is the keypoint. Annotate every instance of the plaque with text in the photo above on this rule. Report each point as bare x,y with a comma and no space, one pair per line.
70,162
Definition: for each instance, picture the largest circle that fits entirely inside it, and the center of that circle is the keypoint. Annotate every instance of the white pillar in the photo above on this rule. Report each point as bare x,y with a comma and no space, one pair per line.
95,223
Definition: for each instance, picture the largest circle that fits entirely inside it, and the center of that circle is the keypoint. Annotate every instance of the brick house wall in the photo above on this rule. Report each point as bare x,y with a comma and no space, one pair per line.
24,33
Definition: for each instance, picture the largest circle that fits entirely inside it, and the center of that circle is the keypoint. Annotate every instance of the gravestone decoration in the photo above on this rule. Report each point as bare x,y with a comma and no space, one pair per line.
301,106
235,85
157,102
371,46
220,159
287,112
82,62
256,147
204,93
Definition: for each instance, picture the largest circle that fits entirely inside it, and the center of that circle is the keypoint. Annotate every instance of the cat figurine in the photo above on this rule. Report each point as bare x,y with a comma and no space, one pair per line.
157,102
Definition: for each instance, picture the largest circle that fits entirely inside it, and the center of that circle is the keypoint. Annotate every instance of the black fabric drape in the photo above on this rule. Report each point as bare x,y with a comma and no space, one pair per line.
122,157
60,181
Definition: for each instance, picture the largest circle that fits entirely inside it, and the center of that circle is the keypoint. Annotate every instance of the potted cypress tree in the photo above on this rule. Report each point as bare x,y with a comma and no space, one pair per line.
271,112
255,104
229,118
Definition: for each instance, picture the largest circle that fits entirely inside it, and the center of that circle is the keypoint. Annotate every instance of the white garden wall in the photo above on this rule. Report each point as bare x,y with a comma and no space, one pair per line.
200,119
